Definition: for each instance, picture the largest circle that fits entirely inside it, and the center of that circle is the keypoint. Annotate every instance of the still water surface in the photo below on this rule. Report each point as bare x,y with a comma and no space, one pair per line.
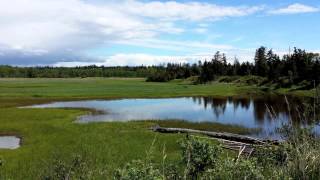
246,112
9,142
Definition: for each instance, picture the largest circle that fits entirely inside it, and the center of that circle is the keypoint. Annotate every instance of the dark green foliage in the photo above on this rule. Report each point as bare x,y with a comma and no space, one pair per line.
160,77
216,67
228,79
198,156
174,71
260,59
83,72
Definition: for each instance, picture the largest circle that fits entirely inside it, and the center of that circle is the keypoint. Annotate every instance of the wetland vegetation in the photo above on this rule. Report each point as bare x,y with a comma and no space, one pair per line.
51,138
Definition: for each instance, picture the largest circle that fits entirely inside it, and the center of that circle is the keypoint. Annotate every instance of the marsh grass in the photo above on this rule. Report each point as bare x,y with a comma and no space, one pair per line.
76,88
47,132
299,156
108,146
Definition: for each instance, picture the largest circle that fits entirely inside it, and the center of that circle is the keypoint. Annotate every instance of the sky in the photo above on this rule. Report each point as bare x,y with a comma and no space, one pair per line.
148,32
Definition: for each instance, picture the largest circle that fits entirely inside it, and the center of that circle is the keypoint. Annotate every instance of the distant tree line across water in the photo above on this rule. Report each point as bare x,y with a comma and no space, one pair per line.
73,72
292,68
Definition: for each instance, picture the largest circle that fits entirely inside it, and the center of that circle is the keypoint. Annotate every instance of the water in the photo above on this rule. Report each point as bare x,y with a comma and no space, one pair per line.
246,112
9,142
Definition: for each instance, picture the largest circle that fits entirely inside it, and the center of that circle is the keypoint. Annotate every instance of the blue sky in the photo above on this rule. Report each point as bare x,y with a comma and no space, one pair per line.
135,32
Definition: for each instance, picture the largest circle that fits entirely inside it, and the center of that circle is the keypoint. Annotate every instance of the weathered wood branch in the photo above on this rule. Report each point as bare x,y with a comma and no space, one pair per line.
226,136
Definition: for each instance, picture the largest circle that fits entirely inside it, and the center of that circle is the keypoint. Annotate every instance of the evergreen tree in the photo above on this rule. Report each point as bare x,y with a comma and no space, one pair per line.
261,66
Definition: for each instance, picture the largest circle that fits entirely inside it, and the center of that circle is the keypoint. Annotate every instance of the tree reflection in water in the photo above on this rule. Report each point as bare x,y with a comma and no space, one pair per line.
266,108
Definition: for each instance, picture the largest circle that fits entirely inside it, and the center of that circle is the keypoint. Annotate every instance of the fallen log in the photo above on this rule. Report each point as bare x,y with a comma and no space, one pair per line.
226,136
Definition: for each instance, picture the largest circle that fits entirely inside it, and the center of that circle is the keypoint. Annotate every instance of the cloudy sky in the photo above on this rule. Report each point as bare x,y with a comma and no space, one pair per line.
136,32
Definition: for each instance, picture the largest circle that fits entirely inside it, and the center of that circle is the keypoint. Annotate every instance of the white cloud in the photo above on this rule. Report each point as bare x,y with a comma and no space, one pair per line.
136,60
141,59
295,9
69,24
182,46
52,30
201,30
194,11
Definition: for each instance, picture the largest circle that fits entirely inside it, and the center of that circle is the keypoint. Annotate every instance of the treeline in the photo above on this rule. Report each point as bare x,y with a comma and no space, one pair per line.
71,72
290,69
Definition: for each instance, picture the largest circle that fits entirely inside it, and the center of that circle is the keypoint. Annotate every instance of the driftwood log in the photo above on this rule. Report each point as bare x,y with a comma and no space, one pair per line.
226,136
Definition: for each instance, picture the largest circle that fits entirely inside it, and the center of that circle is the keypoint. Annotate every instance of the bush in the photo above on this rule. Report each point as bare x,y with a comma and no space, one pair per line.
159,77
254,80
284,82
228,79
198,155
193,80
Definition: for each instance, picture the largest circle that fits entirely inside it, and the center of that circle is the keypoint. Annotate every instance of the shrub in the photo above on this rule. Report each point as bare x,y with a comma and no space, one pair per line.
228,79
284,82
193,80
160,77
198,156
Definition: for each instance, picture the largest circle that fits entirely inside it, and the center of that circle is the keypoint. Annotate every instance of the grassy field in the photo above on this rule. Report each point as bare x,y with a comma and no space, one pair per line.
51,133
110,88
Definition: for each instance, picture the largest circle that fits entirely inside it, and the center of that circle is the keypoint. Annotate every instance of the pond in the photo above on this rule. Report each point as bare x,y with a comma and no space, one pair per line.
9,142
252,112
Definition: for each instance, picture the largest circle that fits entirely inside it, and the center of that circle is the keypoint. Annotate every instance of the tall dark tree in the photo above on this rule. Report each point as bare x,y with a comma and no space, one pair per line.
260,59
273,63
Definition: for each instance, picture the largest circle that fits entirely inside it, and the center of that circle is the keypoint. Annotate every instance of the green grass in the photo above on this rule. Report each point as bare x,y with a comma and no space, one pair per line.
47,133
110,88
